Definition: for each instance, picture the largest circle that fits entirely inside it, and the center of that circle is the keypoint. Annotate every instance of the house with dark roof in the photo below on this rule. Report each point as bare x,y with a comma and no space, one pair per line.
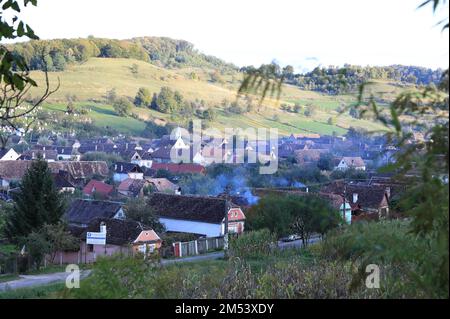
81,212
162,154
125,237
62,184
124,170
368,199
47,155
145,159
196,214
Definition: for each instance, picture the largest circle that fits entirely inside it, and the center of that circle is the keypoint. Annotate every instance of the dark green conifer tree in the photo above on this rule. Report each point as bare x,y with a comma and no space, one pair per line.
37,203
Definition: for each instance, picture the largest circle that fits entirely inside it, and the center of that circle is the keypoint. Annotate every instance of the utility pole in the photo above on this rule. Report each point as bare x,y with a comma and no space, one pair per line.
344,195
225,235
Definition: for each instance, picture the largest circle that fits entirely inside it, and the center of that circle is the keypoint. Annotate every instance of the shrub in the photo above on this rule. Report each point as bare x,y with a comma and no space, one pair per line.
253,244
407,259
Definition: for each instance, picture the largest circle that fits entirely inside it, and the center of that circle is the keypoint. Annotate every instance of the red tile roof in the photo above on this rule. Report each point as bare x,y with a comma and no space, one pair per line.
98,187
179,168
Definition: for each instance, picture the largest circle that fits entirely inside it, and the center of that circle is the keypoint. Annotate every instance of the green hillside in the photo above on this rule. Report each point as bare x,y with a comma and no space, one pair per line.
88,83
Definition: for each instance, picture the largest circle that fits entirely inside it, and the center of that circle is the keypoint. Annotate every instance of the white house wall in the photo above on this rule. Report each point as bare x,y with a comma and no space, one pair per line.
187,226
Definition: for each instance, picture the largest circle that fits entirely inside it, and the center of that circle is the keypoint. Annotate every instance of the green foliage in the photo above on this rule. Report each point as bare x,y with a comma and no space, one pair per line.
38,202
168,101
349,174
153,130
325,162
334,80
266,80
39,292
122,106
209,114
290,276
309,111
13,67
45,141
5,210
391,245
253,244
426,200
49,240
159,51
111,96
136,209
284,215
134,69
197,184
143,98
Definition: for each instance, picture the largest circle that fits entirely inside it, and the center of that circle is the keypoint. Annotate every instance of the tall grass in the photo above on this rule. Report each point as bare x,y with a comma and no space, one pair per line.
253,244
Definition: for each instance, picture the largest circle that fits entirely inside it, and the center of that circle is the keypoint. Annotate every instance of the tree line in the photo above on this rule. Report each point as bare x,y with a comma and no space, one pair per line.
164,52
338,80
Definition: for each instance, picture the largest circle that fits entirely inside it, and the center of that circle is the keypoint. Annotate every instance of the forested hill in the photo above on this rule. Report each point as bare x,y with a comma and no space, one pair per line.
161,51
172,54
333,80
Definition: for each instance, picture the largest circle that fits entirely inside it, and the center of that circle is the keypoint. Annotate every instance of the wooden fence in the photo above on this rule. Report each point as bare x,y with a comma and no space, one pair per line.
197,247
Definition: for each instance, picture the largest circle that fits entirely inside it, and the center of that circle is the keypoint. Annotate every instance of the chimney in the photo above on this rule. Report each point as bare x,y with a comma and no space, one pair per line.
126,146
121,168
388,191
178,191
43,148
115,167
307,189
96,147
355,197
103,227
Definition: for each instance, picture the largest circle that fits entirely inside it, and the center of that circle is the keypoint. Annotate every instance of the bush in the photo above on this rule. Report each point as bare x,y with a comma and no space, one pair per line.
407,259
253,244
122,106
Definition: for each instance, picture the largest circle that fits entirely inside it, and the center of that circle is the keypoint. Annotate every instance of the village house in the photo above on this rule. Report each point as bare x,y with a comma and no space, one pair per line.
195,214
123,170
131,187
162,152
347,163
81,212
144,160
363,199
98,189
8,155
77,172
62,184
67,154
46,154
125,237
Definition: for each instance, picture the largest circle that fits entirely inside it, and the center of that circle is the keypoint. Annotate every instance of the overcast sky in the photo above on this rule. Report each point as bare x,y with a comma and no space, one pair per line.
303,33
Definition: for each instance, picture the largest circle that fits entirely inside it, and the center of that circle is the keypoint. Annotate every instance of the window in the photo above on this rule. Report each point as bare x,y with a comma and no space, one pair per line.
90,248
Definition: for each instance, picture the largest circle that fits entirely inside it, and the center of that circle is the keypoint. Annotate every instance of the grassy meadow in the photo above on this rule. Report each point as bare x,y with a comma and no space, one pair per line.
90,81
